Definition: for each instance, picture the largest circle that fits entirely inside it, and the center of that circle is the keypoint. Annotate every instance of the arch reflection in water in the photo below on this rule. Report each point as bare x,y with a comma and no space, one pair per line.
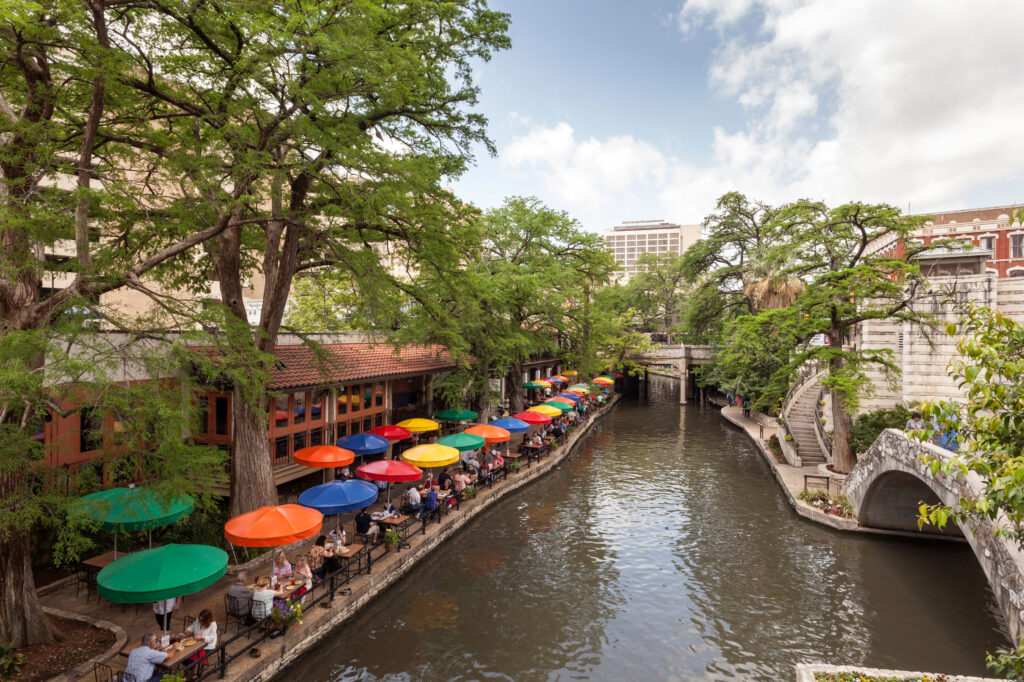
663,549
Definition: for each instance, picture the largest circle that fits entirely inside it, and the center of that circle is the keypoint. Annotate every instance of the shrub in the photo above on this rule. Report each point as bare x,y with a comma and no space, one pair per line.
821,500
774,445
867,426
10,661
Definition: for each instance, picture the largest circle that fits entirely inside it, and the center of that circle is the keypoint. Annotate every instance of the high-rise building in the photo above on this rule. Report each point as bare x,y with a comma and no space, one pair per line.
633,238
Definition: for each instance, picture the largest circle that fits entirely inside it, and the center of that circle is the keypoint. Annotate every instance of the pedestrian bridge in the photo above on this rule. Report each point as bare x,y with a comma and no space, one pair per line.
680,358
890,482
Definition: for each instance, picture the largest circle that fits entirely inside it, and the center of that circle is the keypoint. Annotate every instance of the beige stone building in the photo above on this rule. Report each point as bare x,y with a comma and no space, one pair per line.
632,239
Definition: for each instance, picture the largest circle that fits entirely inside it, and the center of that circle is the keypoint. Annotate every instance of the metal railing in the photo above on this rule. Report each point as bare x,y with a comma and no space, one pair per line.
227,651
823,439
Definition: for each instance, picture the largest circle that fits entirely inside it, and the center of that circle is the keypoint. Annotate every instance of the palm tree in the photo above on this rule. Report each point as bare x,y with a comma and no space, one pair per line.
772,287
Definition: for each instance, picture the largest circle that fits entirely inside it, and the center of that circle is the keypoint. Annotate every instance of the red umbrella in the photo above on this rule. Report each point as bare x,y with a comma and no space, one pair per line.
392,433
533,417
390,470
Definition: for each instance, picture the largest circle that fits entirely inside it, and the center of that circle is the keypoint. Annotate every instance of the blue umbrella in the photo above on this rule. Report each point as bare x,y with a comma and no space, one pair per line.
511,425
364,443
570,396
339,496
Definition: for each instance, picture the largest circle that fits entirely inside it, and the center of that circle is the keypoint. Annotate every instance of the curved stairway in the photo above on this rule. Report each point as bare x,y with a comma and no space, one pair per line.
801,413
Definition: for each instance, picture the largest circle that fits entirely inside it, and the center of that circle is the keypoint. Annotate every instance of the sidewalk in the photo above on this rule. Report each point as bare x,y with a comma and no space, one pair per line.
790,478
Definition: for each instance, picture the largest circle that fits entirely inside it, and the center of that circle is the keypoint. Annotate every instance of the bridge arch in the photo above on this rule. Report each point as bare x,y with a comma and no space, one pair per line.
889,482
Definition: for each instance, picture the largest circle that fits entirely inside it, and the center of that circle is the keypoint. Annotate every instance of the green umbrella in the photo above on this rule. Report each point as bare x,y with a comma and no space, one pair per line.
532,384
161,573
560,405
455,415
462,441
126,509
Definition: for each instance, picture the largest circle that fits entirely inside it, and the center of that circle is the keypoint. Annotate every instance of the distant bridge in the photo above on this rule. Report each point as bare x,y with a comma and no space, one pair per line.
889,483
681,358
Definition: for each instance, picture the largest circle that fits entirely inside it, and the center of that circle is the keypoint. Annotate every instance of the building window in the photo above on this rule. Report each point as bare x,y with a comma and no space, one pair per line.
202,414
316,437
220,415
378,395
281,412
988,243
1017,246
1016,273
342,401
281,449
300,408
298,441
354,399
90,431
379,421
316,410
342,428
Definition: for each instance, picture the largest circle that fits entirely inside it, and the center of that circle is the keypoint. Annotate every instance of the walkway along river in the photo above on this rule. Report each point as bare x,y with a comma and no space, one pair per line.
663,550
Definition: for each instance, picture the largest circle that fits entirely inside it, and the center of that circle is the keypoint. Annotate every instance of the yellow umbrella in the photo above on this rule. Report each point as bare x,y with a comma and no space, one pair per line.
419,425
569,373
431,455
543,383
546,410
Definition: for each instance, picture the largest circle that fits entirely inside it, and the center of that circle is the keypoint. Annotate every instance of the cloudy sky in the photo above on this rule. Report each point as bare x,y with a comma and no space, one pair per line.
624,110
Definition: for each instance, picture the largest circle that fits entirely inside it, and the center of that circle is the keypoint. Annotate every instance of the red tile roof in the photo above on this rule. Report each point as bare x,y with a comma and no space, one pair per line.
301,366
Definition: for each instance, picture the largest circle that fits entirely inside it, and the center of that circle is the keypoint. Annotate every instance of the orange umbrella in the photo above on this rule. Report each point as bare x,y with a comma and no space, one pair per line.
491,434
567,401
325,456
273,526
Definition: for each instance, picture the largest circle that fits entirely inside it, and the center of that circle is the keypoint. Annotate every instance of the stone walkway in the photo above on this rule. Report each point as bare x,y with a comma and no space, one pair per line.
790,478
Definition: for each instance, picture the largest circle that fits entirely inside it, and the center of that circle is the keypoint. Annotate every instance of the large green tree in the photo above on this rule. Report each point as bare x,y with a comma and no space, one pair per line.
324,132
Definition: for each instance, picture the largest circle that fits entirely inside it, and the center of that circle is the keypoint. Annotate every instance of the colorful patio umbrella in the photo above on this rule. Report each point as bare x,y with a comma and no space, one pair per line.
155,574
511,424
604,381
570,372
490,433
533,418
560,378
544,383
582,388
575,397
419,425
324,456
365,443
431,455
560,406
272,526
389,470
533,384
562,399
392,433
462,441
556,380
337,497
455,415
126,509
547,410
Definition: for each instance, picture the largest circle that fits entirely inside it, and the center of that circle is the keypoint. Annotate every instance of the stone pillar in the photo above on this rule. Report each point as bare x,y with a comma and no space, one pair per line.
684,382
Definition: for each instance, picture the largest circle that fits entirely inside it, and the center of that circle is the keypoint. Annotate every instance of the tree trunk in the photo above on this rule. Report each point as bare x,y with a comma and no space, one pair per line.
514,388
252,473
843,457
22,619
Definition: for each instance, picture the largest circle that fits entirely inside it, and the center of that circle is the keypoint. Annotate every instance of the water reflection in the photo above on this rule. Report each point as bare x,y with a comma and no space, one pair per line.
663,550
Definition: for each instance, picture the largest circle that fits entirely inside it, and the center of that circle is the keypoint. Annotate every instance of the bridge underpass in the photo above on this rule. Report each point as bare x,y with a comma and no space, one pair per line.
682,359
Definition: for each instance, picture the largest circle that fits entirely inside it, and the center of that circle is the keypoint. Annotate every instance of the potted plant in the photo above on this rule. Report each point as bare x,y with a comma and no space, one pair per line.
286,614
789,437
513,465
469,492
173,677
391,538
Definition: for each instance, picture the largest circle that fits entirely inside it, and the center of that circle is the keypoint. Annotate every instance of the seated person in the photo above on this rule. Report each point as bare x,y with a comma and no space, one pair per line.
499,461
304,573
430,502
444,481
366,526
263,598
471,471
323,559
143,660
282,567
413,500
242,595
461,480
557,431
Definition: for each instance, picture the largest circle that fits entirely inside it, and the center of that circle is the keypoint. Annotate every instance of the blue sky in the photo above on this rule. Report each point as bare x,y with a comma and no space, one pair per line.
618,111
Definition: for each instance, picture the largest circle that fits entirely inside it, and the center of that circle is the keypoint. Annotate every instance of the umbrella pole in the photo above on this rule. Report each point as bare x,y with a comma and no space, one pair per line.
233,555
115,544
150,531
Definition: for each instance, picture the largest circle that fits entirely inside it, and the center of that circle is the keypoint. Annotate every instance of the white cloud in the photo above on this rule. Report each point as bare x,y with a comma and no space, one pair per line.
916,101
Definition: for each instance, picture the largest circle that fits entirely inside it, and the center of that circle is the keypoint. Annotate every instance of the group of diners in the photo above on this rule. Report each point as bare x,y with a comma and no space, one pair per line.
154,650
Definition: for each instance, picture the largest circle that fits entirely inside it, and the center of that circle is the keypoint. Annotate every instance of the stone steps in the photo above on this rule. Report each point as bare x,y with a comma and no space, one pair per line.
803,414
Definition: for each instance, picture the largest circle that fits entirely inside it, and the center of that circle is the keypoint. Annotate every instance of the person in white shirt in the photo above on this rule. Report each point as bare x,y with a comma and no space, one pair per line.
204,629
143,660
263,599
413,500
164,611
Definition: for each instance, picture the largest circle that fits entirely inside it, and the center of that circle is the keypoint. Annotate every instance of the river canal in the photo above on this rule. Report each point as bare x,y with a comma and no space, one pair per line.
663,550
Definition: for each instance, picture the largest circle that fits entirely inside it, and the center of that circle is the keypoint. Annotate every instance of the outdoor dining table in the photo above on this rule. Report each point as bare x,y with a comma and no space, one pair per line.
103,560
175,656
286,588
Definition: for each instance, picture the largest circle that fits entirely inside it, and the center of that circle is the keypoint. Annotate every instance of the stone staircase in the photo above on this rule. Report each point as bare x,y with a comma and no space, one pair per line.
801,415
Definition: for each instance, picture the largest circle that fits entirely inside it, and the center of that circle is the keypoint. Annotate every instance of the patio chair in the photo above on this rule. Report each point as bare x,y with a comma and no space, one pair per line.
102,672
86,577
234,610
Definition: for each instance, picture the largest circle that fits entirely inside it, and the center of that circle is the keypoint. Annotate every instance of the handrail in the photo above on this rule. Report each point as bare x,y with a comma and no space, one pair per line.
823,440
218,659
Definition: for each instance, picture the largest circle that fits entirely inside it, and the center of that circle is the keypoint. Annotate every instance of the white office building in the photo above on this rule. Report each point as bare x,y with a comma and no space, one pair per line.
633,238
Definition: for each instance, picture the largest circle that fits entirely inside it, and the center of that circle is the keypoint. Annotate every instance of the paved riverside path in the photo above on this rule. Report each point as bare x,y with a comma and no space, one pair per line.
790,478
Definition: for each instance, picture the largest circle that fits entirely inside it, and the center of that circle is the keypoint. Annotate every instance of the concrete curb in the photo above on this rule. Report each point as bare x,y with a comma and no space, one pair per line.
279,653
86,668
805,673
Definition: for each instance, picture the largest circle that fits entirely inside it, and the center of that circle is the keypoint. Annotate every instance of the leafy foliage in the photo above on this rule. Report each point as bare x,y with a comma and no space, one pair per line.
869,425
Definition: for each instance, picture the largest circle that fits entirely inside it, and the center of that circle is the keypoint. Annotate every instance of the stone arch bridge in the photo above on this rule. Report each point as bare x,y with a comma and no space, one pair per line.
889,483
680,358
